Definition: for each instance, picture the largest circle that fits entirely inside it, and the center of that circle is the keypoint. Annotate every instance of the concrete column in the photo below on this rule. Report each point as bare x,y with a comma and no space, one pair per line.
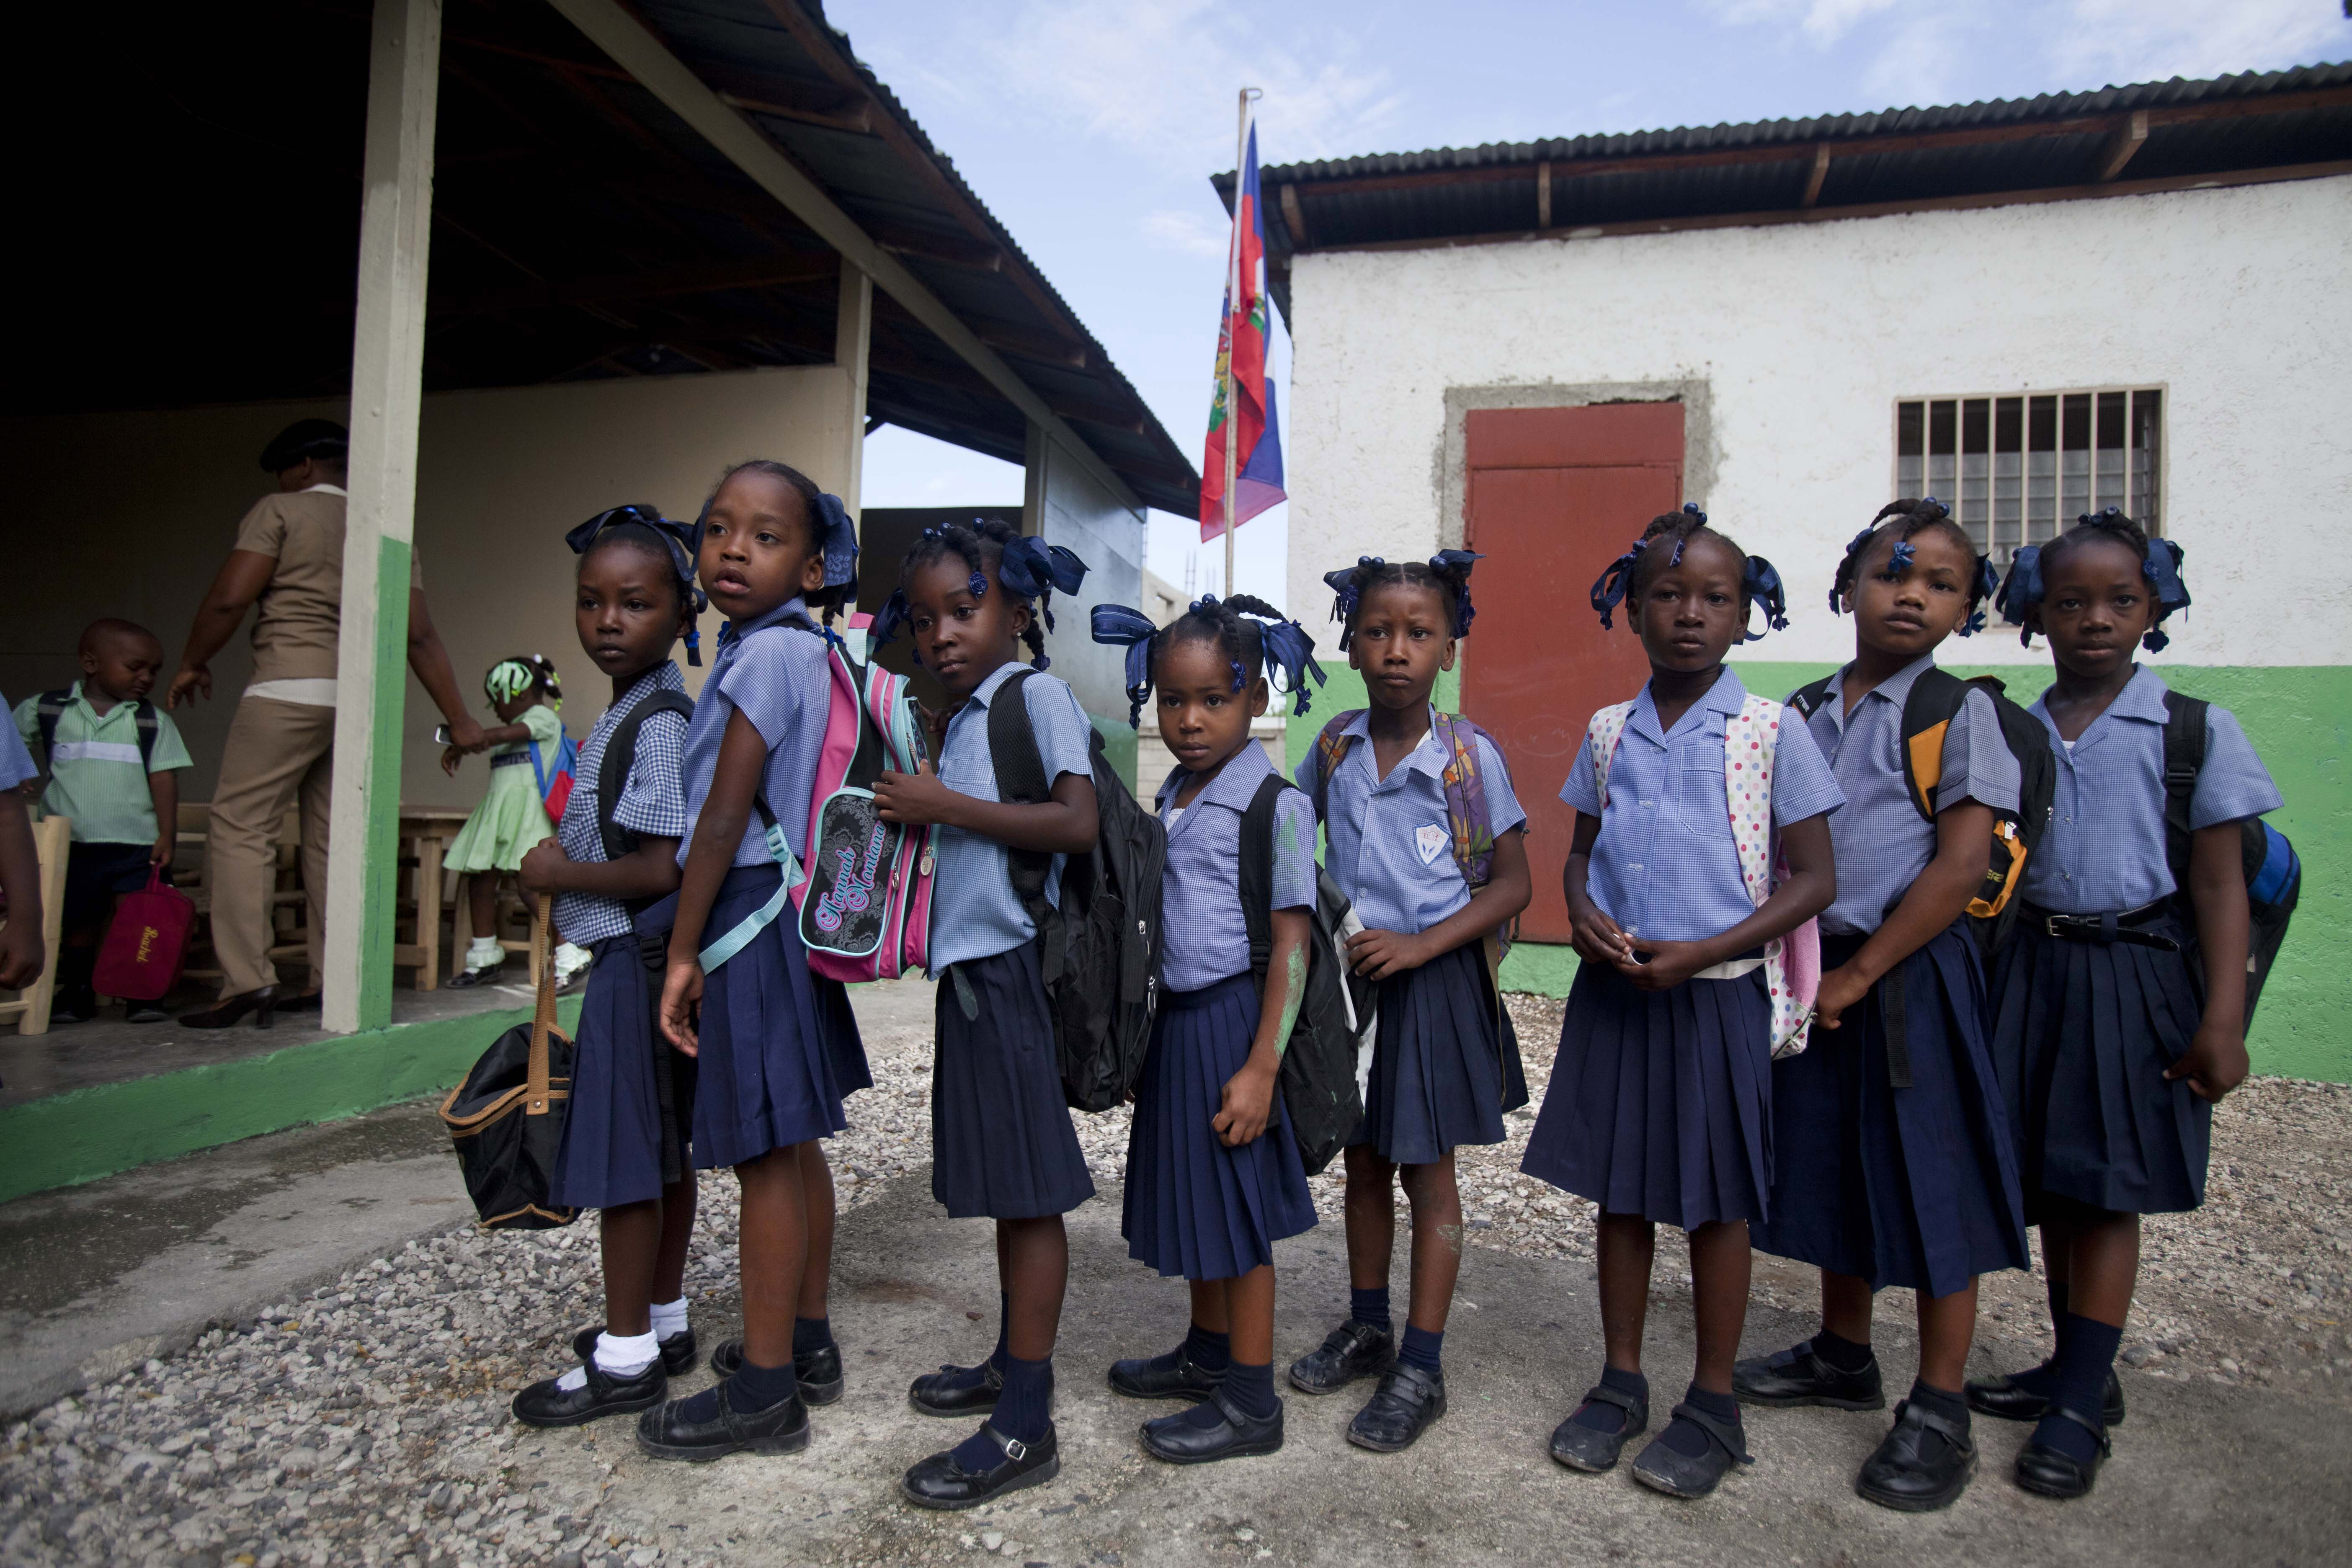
387,375
852,335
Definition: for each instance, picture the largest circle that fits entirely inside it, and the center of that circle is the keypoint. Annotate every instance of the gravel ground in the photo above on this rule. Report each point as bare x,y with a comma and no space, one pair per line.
367,1422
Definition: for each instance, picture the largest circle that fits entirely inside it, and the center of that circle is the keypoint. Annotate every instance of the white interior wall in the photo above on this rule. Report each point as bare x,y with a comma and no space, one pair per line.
1067,506
2236,301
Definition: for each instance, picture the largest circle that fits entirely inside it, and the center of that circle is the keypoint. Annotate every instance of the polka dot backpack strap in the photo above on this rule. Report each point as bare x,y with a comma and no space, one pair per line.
1792,965
1602,735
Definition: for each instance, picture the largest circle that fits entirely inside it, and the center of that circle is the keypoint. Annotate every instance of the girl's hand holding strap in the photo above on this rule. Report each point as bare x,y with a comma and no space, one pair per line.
1247,1103
725,817
1596,937
1064,825
1377,954
648,871
1936,897
2215,1062
1810,888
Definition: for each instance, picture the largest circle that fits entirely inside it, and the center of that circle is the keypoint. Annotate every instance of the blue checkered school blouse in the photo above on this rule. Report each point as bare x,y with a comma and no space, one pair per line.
2104,853
653,802
1205,937
775,674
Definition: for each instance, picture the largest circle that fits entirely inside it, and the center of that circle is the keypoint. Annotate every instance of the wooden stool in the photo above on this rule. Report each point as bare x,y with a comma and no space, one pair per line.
53,841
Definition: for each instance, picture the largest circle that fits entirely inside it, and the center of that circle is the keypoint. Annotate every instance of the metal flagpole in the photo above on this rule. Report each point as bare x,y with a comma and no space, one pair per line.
1233,333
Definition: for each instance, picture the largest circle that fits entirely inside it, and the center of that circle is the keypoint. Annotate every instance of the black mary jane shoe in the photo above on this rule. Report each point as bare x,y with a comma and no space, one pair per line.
262,1004
1923,1464
668,1434
1407,1401
2005,1399
950,1391
465,979
1588,1448
676,1352
2049,1472
548,1404
940,1482
1185,1379
1677,1473
818,1372
1349,1352
77,1008
1179,1441
1798,1376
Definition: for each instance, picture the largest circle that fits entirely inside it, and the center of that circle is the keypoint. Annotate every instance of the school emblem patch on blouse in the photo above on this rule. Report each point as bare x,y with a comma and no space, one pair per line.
1430,839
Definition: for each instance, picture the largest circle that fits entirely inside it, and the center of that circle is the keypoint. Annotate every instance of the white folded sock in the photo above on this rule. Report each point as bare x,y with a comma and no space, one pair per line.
484,953
669,1319
617,1355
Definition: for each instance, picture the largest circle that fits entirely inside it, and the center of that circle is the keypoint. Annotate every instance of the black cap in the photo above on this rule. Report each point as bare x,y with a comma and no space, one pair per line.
305,438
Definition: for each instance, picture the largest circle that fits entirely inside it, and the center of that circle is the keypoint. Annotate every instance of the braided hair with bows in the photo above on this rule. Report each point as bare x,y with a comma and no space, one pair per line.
2160,565
1662,545
510,677
1030,570
1911,516
834,534
1446,574
645,529
1248,631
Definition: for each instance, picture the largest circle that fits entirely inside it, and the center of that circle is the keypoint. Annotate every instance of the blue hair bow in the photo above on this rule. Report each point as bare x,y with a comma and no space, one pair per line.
1286,643
2020,591
1033,568
1609,590
1986,584
2161,566
890,619
1762,586
682,539
1458,561
1342,583
837,538
1119,625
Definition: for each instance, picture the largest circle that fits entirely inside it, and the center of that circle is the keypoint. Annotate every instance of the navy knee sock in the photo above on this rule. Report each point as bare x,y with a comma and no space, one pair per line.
1686,1438
1841,1352
1371,1307
1420,1349
1210,1350
1023,1411
811,1335
755,1387
1609,1418
2086,1353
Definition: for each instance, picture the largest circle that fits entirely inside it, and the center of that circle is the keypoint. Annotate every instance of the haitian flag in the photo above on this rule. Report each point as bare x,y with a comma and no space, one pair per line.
1250,424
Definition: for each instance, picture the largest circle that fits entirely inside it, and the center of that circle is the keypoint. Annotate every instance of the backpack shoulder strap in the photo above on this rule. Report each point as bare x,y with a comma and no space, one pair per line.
1332,747
1812,697
1602,734
51,708
1021,780
1751,740
2184,758
620,756
1468,820
149,727
1936,700
1256,866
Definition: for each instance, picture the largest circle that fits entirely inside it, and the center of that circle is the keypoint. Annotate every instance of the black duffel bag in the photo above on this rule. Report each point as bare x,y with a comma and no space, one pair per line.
507,1117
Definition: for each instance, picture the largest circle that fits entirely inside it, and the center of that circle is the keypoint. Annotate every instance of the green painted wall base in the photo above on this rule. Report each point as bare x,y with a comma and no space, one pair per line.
69,1139
1545,968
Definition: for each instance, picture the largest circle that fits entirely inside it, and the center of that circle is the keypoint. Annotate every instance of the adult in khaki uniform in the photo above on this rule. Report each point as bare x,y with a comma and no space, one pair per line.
287,561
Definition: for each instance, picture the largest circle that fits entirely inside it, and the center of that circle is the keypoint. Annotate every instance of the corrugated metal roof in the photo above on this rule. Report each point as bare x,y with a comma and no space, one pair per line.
1894,157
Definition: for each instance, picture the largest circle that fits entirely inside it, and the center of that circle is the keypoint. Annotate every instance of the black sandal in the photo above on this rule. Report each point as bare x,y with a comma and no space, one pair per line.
1682,1475
2051,1472
1590,1450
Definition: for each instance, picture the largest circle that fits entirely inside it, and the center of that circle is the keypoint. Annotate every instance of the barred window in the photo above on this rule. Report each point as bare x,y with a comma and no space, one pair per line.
2017,469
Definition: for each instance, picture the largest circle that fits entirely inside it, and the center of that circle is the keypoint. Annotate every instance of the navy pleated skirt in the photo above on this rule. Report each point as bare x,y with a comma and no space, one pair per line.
1002,1143
779,1048
1195,1207
1915,1186
1661,1101
2082,1035
629,1130
1445,1066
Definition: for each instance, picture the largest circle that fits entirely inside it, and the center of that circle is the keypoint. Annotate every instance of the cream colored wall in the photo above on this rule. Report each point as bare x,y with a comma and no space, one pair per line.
130,514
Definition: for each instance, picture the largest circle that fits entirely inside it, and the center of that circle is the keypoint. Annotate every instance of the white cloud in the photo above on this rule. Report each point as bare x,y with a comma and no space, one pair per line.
2150,40
1189,232
1824,22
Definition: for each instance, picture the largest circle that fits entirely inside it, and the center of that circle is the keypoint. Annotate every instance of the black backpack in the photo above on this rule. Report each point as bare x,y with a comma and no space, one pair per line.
1100,948
612,776
1936,698
2274,870
1320,1088
52,707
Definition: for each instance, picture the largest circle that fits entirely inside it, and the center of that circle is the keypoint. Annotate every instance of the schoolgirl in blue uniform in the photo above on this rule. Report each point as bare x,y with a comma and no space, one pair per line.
629,1128
1444,1069
2111,1045
1213,1175
1659,1107
776,1046
1892,1157
1002,1143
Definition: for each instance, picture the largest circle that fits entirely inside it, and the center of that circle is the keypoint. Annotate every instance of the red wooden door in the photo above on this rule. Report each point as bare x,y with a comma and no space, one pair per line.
1555,494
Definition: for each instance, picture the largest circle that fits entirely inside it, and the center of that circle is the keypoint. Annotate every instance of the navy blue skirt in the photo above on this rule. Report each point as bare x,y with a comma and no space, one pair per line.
2082,1035
1446,1064
1002,1143
1915,1186
1661,1101
779,1048
1195,1207
630,1125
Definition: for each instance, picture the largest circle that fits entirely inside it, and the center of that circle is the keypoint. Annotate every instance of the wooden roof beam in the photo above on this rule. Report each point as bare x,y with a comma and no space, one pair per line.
708,278
615,30
2122,142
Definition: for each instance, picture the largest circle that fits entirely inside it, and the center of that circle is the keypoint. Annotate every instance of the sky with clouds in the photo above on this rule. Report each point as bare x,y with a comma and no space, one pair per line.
1090,128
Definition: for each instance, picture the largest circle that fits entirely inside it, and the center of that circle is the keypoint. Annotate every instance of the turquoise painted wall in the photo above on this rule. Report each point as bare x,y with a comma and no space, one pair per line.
2296,716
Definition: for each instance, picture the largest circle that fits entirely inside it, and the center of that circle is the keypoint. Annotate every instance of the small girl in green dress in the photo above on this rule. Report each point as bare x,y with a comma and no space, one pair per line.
525,694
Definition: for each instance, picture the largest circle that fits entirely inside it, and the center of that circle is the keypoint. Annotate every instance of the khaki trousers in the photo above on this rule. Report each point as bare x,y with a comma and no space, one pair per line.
277,752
